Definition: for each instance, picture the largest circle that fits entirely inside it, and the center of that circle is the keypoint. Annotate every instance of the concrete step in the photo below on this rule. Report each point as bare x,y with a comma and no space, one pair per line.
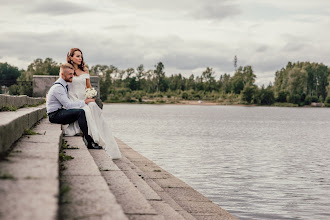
128,196
89,196
13,124
179,195
167,206
29,187
19,101
136,176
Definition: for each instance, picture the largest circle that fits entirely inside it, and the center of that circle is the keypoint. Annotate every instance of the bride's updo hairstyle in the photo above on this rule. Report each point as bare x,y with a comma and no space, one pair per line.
70,54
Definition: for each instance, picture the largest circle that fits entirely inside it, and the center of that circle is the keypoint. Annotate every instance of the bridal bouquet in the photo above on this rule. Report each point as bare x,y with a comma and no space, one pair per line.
90,93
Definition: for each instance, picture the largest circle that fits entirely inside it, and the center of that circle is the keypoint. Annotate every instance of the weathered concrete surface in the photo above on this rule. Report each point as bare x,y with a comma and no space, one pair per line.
19,101
126,193
29,186
189,203
13,124
3,99
165,210
28,199
102,161
89,196
131,171
41,84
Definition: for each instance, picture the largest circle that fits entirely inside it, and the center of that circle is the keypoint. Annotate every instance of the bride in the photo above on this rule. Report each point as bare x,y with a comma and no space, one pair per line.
97,127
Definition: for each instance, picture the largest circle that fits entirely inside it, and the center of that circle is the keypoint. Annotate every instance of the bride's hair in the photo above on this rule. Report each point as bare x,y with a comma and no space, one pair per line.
70,54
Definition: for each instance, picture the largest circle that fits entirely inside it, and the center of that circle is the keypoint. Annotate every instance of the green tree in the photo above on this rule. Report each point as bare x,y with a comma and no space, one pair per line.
265,96
297,83
139,76
249,93
242,77
159,73
8,74
46,67
209,79
190,82
224,83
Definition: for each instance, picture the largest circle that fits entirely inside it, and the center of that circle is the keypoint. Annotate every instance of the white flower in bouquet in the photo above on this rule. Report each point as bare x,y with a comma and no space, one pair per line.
90,93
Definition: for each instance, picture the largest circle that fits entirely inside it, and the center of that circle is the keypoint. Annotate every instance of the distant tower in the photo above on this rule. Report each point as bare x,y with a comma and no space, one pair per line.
235,63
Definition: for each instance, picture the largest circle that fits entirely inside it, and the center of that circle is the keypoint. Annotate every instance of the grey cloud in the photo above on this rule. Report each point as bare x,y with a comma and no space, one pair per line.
294,46
147,5
59,8
123,53
132,50
29,46
262,48
207,9
216,10
186,61
270,63
14,2
116,27
295,43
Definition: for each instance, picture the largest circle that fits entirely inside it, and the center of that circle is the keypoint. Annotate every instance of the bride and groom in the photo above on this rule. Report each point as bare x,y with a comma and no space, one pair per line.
66,104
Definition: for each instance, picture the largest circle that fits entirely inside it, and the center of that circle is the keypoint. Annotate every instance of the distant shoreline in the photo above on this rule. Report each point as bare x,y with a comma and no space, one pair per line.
208,103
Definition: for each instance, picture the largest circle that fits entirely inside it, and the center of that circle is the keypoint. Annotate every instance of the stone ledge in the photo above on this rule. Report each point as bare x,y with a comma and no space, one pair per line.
29,187
13,124
19,101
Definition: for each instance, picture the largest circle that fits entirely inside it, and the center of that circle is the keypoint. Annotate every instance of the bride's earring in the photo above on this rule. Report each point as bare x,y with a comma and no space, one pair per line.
71,61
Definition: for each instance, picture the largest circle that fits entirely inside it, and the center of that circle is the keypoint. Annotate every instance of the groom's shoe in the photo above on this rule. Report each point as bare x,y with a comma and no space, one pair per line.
94,146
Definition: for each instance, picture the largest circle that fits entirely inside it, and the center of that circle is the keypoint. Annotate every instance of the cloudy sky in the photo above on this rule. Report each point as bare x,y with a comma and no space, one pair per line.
186,35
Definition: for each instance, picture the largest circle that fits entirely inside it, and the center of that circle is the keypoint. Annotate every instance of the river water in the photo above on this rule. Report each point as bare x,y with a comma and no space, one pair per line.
255,162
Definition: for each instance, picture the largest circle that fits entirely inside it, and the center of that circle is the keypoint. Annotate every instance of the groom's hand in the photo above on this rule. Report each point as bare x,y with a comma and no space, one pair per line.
89,100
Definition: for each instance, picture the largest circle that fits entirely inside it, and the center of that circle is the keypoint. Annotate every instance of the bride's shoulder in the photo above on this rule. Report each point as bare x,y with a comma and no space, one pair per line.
85,75
86,70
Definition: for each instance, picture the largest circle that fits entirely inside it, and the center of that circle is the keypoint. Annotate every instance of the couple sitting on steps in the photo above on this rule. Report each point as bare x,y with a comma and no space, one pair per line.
66,104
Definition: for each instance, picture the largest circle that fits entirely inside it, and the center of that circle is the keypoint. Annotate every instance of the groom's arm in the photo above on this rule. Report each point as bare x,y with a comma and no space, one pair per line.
61,95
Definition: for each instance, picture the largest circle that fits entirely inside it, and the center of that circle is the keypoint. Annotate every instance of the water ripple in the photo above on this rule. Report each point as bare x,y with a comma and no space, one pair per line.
256,162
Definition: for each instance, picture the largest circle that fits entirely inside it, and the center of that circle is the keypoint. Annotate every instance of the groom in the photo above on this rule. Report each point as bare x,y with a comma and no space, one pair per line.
58,98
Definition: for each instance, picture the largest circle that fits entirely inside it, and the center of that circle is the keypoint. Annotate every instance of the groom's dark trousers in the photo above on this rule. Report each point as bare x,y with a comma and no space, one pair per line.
67,116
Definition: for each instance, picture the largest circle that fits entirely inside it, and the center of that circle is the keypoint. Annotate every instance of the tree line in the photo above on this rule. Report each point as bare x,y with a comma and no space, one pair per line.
299,83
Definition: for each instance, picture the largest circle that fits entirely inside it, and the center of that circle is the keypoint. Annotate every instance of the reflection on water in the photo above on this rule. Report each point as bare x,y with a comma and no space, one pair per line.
255,162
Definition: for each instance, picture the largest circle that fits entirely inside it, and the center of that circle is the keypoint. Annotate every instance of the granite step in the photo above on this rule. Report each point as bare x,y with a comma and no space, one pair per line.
128,196
29,186
131,171
179,195
14,123
163,202
89,196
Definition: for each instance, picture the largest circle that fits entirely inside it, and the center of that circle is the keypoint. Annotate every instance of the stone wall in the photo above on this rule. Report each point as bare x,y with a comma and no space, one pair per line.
14,123
42,83
19,101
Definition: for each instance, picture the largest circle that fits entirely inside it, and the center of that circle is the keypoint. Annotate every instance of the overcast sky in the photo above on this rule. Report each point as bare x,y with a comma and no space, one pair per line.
186,35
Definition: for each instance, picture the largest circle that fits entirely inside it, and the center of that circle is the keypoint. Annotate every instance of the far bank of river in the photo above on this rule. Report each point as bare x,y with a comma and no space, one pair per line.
200,102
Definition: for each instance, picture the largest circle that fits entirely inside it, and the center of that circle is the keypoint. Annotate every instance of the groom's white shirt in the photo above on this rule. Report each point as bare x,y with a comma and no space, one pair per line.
58,98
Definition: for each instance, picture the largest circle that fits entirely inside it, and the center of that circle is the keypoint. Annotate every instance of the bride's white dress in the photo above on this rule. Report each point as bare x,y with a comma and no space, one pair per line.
97,127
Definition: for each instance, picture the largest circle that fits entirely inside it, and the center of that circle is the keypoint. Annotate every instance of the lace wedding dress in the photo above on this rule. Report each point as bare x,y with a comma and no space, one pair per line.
97,127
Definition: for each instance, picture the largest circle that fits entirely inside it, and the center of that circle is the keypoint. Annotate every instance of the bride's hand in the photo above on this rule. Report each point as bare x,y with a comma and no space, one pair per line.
89,100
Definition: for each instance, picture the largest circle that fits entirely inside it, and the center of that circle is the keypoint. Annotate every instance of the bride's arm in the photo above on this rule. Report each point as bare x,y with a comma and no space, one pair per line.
88,81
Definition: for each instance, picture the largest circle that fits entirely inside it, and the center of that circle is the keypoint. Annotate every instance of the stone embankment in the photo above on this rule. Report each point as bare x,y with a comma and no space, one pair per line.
20,101
14,123
47,176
